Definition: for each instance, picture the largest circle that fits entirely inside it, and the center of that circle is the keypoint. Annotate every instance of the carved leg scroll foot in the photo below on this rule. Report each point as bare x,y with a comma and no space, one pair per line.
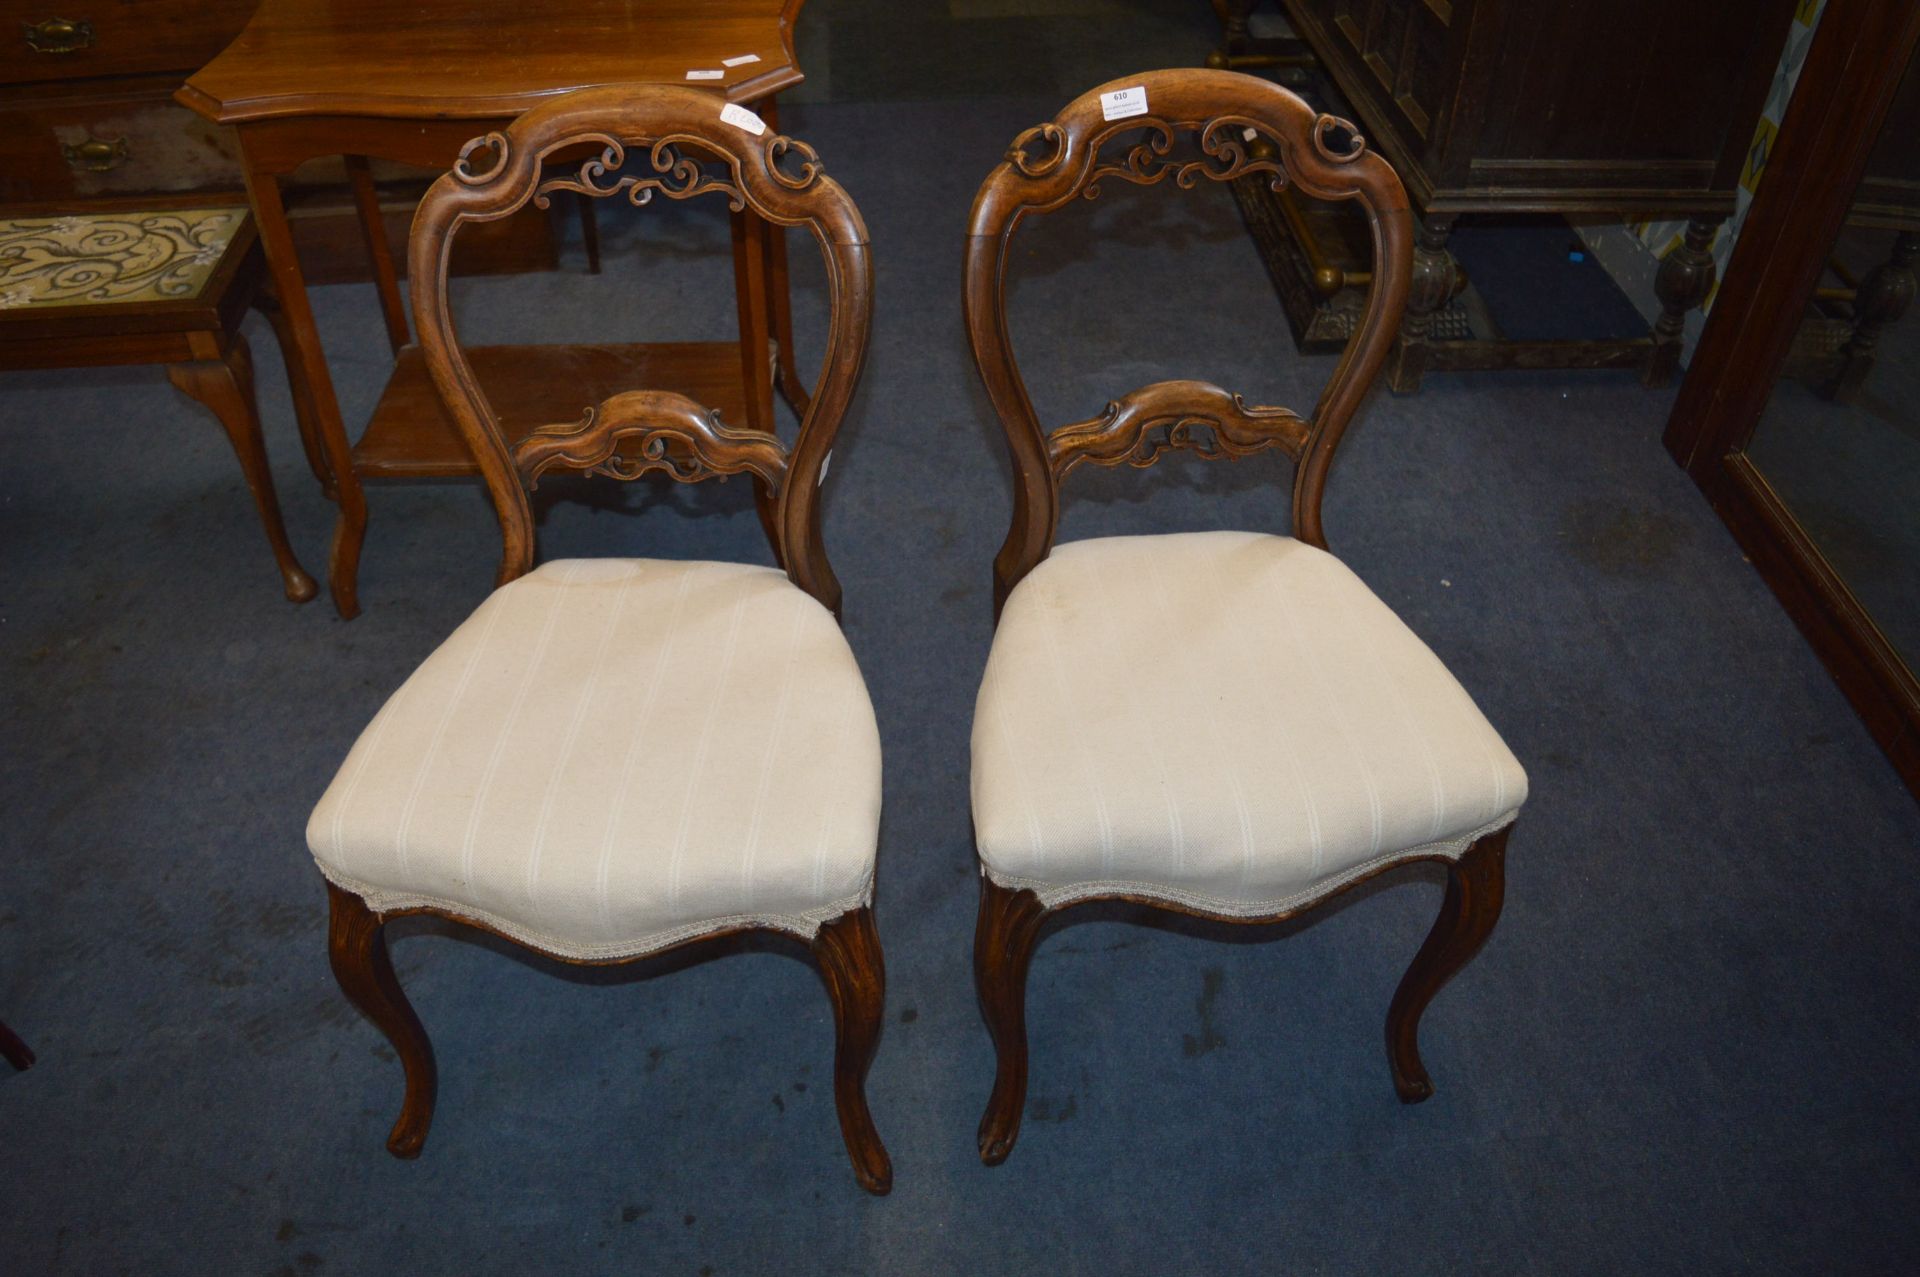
225,386
357,949
13,1050
1684,281
1476,885
1002,948
848,951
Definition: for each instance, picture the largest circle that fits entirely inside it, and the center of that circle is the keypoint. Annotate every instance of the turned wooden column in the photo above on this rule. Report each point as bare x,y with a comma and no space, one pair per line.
1882,298
1436,278
1684,281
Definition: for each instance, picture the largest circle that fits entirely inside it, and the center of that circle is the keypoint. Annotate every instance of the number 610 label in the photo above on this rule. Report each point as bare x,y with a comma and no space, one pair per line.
1121,103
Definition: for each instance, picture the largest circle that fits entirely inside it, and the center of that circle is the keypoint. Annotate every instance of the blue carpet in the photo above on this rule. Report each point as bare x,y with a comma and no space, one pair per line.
1689,1045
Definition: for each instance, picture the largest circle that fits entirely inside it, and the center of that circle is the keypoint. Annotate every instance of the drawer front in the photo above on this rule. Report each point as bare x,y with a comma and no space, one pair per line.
76,39
115,144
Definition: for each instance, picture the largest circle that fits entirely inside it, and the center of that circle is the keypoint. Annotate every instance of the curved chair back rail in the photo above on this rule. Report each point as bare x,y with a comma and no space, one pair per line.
676,142
1241,125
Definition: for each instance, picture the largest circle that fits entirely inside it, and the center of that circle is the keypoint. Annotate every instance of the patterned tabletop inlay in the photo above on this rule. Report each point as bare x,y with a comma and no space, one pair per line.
105,258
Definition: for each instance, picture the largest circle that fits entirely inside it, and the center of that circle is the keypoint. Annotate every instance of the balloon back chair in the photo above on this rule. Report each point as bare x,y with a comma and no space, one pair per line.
1223,724
616,757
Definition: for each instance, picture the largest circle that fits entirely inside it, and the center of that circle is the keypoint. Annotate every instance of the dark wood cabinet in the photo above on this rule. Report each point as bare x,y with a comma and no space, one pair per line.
1627,107
1597,106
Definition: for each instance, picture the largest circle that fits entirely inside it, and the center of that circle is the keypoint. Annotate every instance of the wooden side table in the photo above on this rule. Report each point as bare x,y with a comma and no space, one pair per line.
152,285
414,83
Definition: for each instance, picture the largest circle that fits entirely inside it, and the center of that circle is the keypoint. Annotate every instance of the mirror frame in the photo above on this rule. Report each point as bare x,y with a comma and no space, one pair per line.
1847,84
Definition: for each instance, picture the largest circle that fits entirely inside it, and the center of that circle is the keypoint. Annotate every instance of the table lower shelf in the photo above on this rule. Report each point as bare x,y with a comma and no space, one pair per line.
411,435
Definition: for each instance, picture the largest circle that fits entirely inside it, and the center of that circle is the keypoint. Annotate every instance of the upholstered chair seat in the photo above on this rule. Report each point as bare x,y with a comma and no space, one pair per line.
1229,722
612,756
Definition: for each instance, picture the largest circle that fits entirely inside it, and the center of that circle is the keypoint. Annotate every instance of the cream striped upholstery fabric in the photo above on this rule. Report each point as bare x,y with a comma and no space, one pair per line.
613,755
1222,720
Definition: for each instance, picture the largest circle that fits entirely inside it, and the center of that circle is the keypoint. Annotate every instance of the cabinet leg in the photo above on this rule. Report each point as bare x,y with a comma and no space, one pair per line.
1882,298
225,386
1436,278
1684,281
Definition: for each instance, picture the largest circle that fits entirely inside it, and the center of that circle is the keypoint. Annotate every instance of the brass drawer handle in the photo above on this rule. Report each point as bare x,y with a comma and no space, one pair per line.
59,35
96,154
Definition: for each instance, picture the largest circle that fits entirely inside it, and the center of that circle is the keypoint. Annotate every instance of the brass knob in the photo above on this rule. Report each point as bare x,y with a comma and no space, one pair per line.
96,154
58,35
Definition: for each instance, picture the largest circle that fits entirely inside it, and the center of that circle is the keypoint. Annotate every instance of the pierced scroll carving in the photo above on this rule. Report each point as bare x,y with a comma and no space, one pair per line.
680,177
808,170
677,174
641,430
1231,146
463,170
1323,122
1052,136
1194,416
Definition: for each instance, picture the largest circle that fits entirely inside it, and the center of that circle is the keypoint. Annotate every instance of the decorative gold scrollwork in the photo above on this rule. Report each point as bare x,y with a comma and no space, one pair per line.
96,154
58,35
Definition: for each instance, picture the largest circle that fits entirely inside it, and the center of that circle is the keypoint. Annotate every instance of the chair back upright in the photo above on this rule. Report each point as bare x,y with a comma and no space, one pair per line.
684,142
1240,125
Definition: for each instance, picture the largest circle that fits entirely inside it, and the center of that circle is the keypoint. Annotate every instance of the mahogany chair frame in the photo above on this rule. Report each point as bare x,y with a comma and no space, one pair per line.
684,148
1241,125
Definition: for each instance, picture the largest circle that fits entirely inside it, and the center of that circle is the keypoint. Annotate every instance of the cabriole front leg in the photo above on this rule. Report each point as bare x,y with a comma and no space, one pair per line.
1003,944
357,950
1476,886
848,951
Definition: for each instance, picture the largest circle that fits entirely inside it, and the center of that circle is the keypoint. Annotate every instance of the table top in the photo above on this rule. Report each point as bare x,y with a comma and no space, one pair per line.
476,59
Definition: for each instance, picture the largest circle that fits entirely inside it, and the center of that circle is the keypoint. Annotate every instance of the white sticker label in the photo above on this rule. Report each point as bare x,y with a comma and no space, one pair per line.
740,61
824,463
741,118
1121,103
706,75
